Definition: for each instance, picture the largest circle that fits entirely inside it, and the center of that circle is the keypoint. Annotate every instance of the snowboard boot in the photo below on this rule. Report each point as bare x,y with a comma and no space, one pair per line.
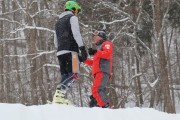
59,97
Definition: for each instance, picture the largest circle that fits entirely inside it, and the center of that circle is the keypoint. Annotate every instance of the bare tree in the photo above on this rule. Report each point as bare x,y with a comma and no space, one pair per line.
2,54
146,66
158,23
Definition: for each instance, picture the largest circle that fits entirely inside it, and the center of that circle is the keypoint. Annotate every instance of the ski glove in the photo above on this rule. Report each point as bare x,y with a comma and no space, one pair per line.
92,51
83,56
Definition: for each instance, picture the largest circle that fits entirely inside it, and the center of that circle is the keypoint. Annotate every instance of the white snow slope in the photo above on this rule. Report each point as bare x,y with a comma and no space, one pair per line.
63,112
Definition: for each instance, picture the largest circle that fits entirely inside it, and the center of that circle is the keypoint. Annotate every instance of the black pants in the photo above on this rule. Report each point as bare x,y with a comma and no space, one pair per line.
65,62
66,69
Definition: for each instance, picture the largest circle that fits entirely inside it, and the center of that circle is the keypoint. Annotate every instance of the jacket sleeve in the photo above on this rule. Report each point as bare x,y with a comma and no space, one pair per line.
88,62
76,31
106,52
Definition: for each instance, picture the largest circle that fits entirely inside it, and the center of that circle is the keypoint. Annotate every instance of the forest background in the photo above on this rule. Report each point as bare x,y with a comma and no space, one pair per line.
146,59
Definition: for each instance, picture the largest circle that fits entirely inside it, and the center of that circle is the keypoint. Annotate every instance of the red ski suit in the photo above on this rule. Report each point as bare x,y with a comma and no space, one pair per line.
101,70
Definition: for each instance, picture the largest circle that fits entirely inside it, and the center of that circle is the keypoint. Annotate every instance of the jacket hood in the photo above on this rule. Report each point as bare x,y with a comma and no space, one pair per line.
65,13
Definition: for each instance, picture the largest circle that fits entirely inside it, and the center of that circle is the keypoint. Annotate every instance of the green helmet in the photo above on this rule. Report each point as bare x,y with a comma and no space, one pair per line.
72,5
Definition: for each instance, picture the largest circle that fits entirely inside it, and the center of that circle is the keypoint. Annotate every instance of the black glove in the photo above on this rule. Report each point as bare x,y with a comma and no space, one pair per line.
80,58
83,56
92,51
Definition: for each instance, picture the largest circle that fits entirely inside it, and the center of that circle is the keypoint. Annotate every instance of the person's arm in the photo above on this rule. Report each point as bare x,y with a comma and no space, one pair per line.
77,36
88,62
106,51
76,31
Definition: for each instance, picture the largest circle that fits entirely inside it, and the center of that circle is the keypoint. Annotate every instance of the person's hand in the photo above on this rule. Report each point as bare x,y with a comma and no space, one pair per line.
80,58
83,56
92,51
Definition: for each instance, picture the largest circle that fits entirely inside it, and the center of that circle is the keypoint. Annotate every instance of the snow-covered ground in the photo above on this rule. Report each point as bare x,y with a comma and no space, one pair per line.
63,112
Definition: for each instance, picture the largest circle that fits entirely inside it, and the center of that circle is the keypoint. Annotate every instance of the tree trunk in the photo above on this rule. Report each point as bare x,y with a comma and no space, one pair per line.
2,96
112,93
168,43
80,92
33,76
49,85
8,92
140,96
19,85
177,57
153,93
168,106
40,79
123,84
136,84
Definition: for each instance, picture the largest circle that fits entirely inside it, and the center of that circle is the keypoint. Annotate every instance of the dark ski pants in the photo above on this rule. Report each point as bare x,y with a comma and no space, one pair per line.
99,88
69,68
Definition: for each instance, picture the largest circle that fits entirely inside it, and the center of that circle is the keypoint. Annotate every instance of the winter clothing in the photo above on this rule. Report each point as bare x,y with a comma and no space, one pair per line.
68,68
102,59
72,5
68,42
59,97
108,105
93,102
101,34
92,51
83,53
64,34
67,37
99,88
65,62
100,42
101,70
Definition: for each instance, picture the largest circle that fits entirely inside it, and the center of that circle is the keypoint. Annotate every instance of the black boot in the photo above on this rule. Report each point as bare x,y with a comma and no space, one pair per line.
93,102
107,105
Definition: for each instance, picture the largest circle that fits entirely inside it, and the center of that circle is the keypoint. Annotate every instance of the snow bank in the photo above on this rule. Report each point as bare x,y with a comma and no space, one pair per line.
63,112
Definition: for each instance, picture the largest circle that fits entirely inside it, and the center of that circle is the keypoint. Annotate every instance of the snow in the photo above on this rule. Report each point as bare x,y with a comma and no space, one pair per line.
38,54
115,21
64,112
153,84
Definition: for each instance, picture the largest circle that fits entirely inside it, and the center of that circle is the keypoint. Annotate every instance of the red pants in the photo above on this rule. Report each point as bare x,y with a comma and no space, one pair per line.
99,88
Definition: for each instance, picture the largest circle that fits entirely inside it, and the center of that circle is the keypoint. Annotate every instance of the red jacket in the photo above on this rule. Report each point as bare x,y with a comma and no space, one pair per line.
102,59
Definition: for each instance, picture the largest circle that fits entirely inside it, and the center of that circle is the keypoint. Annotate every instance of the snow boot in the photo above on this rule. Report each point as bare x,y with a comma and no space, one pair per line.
108,105
59,97
93,102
